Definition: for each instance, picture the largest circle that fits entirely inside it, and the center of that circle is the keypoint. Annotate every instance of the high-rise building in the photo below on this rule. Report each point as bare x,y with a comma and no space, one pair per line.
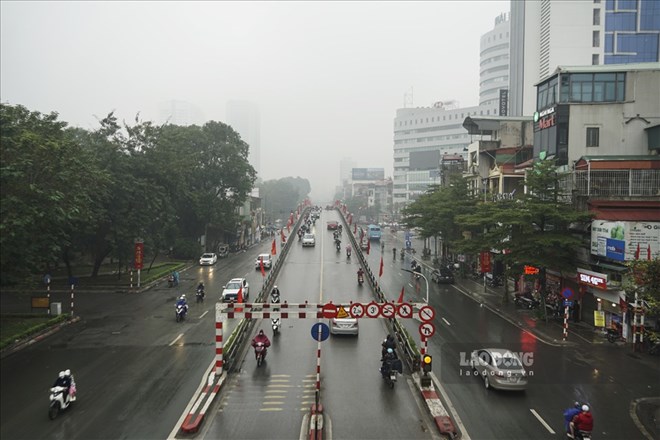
632,31
243,116
549,33
180,113
494,62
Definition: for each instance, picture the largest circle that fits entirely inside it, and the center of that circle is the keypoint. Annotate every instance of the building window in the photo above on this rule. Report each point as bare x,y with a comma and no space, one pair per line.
596,17
595,58
592,136
596,42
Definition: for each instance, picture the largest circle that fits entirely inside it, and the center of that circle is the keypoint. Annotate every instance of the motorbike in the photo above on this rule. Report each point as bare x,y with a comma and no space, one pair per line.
170,281
180,311
612,335
360,280
338,245
275,323
348,253
402,253
525,301
200,295
57,400
389,375
580,435
260,352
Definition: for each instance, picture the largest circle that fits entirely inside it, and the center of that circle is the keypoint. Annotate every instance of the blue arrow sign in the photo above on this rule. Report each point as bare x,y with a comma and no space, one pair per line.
320,330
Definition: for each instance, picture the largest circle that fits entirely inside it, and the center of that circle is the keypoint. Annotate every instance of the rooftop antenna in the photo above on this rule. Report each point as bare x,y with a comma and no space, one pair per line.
408,98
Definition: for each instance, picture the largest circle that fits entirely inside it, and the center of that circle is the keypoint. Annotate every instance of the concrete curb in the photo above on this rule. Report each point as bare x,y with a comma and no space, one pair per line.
441,416
37,337
196,415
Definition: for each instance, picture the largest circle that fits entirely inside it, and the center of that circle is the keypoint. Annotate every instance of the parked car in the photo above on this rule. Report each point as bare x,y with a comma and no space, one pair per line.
208,259
308,240
266,258
332,225
230,291
499,368
442,276
223,250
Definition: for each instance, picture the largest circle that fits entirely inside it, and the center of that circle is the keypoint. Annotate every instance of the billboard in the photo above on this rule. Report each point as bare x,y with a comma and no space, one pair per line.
625,241
424,160
368,173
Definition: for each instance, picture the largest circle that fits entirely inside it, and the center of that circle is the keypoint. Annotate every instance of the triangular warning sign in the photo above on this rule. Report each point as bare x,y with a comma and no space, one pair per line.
341,313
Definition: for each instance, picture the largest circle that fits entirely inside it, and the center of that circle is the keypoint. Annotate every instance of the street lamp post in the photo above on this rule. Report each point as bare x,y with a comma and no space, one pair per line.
427,282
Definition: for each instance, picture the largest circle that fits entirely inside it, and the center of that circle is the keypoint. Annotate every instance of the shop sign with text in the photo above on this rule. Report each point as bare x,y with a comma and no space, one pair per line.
593,279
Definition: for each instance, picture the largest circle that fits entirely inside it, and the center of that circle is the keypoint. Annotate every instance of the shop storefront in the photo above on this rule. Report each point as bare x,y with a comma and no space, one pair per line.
601,306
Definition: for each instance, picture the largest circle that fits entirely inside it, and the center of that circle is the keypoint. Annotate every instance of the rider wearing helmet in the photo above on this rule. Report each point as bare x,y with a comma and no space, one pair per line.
390,356
275,295
583,421
260,338
64,380
182,302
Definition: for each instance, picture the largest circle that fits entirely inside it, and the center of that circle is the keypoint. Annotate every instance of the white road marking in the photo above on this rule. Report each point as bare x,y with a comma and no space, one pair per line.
202,315
176,339
540,419
446,322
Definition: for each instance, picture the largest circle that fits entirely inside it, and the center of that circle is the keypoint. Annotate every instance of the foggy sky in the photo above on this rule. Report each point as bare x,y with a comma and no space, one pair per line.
327,76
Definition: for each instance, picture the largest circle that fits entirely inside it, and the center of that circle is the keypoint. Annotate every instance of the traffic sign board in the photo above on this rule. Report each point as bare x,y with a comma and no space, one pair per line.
357,310
568,303
426,313
567,293
329,311
388,310
426,330
320,331
342,313
373,310
405,310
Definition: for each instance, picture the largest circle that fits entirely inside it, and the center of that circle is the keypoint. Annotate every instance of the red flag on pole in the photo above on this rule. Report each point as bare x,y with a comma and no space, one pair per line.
282,235
380,272
273,250
648,252
239,299
261,266
400,300
637,252
368,246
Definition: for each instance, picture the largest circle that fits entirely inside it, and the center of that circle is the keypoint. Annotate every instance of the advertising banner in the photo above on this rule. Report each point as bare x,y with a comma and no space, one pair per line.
625,241
368,173
139,255
599,318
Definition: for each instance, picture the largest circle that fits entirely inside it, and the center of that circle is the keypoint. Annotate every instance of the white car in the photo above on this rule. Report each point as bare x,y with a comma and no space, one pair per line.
230,291
208,259
266,258
309,240
499,368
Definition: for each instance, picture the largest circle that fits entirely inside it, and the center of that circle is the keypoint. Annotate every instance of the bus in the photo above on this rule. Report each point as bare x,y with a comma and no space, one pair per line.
373,232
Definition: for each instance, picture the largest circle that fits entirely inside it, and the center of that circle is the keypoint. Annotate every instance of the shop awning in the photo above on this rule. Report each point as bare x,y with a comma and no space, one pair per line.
607,295
614,267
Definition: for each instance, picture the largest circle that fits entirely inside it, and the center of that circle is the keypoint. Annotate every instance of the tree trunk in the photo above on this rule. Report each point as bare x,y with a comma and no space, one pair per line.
151,263
98,260
67,262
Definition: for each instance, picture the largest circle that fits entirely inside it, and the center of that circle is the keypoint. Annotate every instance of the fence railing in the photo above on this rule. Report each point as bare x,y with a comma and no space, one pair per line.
621,183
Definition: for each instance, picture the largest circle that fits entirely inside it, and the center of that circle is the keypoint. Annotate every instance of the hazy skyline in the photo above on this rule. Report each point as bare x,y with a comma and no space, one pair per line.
327,76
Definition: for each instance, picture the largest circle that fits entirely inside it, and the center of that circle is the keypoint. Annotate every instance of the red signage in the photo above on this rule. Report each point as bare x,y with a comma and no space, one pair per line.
593,279
139,255
484,259
329,311
547,122
531,270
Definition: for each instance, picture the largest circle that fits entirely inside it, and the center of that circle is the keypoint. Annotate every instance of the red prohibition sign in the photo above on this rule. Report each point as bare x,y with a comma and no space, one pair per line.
373,310
387,310
405,310
426,330
357,310
426,313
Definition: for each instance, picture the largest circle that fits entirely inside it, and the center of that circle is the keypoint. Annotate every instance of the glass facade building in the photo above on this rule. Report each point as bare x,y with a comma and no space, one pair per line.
632,31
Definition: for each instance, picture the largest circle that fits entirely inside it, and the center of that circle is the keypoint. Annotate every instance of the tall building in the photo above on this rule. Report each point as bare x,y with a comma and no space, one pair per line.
549,33
632,31
243,116
180,113
494,63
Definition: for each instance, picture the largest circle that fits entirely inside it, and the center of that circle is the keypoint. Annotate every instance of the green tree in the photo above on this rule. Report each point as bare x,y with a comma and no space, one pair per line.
48,183
281,196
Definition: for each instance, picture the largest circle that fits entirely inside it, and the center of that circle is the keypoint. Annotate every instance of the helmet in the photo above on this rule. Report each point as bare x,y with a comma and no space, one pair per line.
585,408
274,287
67,372
261,332
61,374
183,296
578,405
389,350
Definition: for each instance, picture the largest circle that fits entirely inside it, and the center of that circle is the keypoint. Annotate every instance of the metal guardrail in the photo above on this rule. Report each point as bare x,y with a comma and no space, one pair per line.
404,341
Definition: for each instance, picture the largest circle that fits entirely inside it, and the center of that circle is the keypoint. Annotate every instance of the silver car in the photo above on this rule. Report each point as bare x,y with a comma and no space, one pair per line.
499,368
344,326
308,240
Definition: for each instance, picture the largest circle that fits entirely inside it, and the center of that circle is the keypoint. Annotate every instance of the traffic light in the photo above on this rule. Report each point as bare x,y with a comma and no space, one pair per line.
427,361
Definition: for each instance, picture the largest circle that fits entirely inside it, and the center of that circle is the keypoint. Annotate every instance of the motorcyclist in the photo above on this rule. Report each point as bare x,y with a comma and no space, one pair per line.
388,342
387,362
360,274
569,414
200,288
260,338
349,249
175,276
275,295
64,380
338,244
394,253
402,253
182,302
583,421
